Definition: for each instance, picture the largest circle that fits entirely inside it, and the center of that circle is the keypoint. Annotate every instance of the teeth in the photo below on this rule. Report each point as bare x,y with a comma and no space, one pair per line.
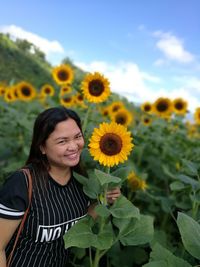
72,156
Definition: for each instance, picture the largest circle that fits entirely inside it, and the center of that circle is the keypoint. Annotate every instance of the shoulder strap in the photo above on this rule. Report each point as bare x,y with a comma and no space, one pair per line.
30,189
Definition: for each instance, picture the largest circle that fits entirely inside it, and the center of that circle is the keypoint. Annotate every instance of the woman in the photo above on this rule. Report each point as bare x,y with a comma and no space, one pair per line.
58,201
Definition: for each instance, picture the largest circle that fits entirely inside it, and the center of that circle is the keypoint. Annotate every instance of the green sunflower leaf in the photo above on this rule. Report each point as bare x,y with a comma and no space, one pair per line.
190,234
123,208
135,232
165,257
80,235
105,178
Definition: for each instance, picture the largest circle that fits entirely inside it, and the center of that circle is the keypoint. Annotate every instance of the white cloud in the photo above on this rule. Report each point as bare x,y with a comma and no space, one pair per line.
137,86
172,48
125,77
185,93
160,62
48,47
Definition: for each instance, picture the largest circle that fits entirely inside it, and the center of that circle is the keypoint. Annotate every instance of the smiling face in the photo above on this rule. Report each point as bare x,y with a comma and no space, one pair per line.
64,145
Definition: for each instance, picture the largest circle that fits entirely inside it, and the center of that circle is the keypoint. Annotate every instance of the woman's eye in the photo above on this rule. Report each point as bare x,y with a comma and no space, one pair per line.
62,142
79,136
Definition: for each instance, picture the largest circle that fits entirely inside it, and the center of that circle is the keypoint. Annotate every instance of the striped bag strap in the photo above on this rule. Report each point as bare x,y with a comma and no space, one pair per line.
30,189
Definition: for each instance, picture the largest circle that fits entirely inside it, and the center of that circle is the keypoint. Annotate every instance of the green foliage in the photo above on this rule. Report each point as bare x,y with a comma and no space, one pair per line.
17,122
190,234
120,222
160,256
163,218
17,63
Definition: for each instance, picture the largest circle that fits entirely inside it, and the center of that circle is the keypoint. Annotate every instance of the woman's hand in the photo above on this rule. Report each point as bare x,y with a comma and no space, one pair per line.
113,194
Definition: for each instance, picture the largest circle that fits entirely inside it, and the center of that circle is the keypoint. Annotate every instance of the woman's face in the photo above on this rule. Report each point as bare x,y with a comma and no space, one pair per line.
64,145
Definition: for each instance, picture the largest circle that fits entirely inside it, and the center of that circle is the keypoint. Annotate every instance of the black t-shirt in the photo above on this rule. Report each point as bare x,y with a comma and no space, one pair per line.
54,209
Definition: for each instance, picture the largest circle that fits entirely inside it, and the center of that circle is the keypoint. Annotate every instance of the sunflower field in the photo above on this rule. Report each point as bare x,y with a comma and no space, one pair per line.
151,151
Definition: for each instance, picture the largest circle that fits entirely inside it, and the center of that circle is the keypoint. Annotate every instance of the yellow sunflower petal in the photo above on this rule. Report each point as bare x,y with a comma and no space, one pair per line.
112,146
95,87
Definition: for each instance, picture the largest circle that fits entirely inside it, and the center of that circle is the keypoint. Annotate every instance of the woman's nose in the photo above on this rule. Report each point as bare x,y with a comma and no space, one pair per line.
72,145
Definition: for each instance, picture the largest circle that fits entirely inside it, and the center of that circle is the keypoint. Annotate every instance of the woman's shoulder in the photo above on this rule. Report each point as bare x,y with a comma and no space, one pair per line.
14,196
17,178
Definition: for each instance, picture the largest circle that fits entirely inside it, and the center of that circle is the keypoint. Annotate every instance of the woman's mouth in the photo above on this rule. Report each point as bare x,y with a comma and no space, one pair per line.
72,156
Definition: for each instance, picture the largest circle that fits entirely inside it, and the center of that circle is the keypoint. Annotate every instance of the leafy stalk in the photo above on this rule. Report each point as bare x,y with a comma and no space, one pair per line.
86,118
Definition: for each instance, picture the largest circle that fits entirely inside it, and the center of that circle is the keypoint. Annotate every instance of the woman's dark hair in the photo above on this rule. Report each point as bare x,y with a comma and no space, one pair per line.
44,125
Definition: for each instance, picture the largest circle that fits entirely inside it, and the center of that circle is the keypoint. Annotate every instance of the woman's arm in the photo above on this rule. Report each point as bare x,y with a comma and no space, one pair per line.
7,229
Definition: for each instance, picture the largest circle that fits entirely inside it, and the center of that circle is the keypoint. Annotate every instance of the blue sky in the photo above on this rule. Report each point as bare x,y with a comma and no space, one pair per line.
146,48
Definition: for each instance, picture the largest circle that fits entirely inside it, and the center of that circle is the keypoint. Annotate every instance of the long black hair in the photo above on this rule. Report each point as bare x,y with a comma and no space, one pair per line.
44,125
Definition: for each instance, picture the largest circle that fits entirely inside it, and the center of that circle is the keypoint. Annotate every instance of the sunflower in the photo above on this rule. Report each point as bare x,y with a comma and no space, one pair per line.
180,106
122,116
25,91
115,106
14,92
65,89
197,116
193,131
146,107
8,95
47,90
67,101
135,182
110,144
95,87
146,120
63,74
2,90
162,107
105,111
79,100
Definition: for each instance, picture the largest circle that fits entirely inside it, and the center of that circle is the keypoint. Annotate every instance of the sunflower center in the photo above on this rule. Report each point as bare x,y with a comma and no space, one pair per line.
47,90
120,119
96,87
147,108
162,106
80,98
67,99
179,106
15,93
25,91
63,75
110,144
2,91
9,96
146,120
116,108
135,183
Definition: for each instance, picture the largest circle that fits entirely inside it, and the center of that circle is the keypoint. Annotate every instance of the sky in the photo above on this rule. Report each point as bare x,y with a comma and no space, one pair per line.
146,48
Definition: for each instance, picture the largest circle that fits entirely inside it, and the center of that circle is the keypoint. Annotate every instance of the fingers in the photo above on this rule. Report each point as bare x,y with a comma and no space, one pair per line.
113,194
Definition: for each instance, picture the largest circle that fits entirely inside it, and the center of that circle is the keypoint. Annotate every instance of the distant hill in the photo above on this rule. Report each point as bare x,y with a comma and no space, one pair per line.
21,60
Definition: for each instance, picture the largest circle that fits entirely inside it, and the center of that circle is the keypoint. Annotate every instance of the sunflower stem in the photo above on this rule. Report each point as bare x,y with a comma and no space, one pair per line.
99,253
108,170
90,256
106,187
86,119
